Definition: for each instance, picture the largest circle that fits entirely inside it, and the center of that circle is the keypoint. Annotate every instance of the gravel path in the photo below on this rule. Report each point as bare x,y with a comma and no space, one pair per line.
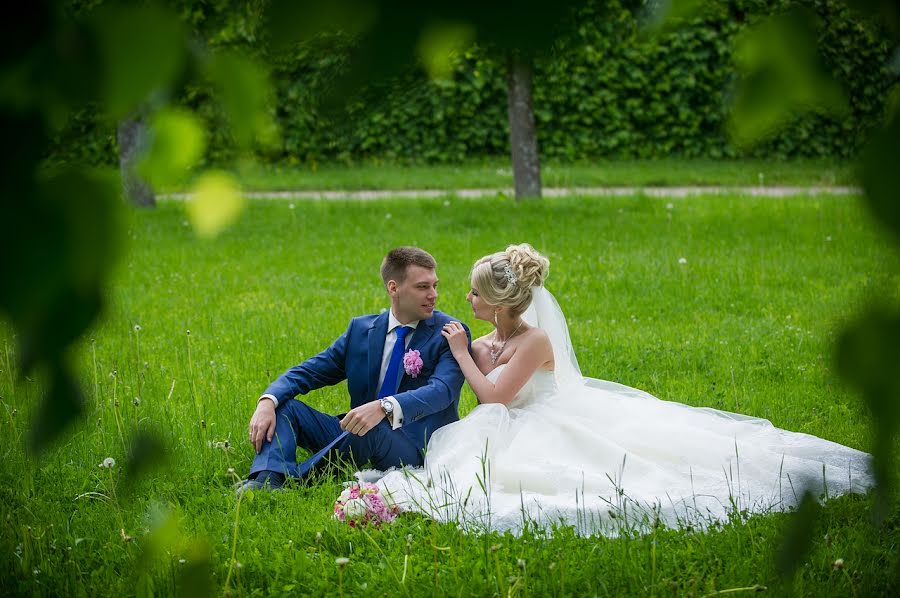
674,192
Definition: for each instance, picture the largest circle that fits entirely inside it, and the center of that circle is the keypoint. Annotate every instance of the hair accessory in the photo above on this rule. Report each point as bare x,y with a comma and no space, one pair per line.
511,277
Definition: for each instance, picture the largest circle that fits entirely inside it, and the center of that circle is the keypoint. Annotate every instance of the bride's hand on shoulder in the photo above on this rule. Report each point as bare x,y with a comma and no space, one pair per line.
456,337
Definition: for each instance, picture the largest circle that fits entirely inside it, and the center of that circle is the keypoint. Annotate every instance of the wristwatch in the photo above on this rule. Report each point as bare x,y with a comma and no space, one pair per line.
388,409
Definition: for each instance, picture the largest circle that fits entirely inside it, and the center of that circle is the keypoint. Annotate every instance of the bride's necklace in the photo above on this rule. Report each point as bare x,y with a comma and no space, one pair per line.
495,352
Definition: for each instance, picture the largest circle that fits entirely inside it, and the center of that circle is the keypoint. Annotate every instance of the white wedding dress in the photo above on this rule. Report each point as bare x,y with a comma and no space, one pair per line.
606,458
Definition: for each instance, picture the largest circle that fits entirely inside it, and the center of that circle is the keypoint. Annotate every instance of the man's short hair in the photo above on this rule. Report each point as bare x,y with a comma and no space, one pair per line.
397,260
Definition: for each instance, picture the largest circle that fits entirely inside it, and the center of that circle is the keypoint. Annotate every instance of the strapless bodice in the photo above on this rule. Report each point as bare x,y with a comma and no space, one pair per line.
539,387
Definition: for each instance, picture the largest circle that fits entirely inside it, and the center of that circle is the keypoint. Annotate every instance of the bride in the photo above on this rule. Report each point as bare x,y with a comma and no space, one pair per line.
548,446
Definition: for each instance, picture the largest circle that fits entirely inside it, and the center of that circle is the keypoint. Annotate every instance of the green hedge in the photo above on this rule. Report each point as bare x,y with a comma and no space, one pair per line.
604,91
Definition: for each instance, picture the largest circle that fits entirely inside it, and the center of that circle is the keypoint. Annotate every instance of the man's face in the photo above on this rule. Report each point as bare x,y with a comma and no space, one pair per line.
414,298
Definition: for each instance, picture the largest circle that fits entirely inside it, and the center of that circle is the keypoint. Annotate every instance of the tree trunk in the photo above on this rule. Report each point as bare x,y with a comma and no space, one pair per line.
522,134
132,137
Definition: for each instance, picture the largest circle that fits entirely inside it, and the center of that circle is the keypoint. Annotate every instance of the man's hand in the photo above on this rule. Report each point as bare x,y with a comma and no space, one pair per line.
360,420
262,424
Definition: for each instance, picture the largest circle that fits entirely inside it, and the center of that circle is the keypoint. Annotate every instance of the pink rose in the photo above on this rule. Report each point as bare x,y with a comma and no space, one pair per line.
412,363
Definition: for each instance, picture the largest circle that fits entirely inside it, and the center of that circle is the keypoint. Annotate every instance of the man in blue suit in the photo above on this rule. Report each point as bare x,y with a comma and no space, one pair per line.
402,378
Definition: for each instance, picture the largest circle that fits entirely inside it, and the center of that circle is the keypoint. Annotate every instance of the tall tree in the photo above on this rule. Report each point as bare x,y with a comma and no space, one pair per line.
132,138
526,163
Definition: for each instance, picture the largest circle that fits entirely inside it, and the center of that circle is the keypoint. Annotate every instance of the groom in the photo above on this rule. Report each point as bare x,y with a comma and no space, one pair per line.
403,382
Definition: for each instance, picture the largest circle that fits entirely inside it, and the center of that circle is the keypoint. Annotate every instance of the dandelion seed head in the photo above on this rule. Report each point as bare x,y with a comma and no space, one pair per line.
682,260
230,471
388,216
520,564
137,327
291,206
136,402
838,564
181,561
108,463
669,206
341,561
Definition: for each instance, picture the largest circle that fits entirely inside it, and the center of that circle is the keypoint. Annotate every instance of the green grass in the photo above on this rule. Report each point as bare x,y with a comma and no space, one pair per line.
496,173
747,324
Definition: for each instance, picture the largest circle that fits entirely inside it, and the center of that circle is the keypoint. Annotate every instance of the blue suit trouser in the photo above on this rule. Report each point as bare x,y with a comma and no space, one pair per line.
299,425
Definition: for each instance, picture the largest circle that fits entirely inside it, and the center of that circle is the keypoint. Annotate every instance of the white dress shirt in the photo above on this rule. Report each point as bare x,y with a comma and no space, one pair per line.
389,341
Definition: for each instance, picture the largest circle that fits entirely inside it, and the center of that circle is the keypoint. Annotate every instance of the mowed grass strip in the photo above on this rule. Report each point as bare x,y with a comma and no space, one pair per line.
496,173
725,302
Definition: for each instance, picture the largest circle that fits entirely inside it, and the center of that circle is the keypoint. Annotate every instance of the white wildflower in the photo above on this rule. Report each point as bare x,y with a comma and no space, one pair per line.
345,495
341,561
137,327
108,463
682,260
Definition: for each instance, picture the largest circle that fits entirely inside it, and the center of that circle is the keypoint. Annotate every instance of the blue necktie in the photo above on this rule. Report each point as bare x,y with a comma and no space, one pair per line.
391,377
388,387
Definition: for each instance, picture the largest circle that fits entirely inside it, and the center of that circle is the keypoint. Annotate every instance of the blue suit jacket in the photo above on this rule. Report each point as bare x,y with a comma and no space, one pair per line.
429,400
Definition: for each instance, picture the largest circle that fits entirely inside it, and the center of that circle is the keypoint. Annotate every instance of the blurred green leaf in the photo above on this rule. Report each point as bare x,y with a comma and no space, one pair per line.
797,536
72,227
782,77
177,142
245,94
880,174
195,576
868,357
143,50
145,454
57,411
289,21
440,43
215,204
886,12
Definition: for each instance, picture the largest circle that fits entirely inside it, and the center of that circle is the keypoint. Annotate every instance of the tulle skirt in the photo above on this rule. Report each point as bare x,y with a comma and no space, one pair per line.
606,458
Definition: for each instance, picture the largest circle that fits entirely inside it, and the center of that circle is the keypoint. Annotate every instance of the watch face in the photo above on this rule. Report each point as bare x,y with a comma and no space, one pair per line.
387,406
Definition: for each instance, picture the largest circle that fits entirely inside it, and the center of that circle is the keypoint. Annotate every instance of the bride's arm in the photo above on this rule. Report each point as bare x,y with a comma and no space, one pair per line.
534,352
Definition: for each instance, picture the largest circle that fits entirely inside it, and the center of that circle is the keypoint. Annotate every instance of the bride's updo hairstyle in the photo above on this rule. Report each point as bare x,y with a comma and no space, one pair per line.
506,278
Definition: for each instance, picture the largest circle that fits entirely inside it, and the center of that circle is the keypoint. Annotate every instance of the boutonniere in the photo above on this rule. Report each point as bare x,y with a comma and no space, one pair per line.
412,363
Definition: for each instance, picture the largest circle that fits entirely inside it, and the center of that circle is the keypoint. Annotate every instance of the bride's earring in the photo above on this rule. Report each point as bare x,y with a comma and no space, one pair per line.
496,323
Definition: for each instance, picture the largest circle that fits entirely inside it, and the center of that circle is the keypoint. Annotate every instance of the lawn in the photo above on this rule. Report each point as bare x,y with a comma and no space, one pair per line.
745,322
496,173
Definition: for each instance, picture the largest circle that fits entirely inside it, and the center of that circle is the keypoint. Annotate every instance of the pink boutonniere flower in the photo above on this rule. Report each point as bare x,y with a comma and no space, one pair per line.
412,363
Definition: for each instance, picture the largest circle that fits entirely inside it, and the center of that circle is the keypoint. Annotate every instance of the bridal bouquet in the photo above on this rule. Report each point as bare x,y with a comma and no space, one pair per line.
360,504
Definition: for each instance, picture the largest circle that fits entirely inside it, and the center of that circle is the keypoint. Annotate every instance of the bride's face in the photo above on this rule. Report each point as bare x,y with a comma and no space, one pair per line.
480,308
